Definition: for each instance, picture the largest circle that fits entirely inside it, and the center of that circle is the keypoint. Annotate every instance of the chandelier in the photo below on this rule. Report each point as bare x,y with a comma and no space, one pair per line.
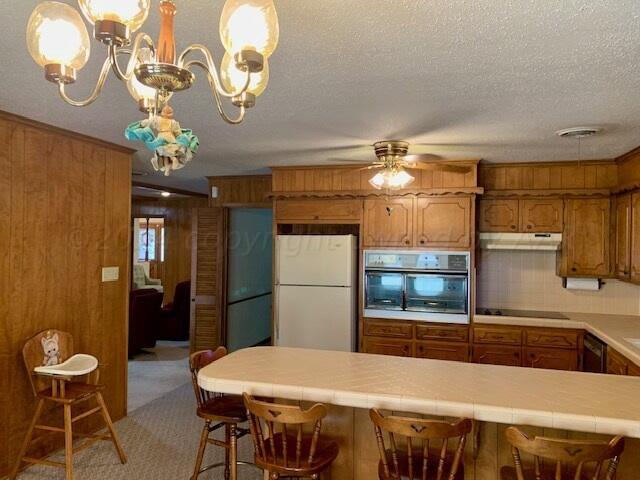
58,41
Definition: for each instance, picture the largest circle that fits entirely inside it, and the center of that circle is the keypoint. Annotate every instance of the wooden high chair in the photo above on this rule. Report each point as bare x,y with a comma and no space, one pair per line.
63,381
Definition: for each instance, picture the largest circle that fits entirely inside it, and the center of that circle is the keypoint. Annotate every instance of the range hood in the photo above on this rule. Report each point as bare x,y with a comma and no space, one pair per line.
520,241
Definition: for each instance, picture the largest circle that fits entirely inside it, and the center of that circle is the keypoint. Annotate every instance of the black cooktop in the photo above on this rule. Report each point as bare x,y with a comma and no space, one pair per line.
519,313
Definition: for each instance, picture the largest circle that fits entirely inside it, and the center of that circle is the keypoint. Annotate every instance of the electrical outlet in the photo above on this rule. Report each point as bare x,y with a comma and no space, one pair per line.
110,274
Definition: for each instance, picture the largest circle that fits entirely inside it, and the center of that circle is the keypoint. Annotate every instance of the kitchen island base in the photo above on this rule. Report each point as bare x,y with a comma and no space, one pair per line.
487,449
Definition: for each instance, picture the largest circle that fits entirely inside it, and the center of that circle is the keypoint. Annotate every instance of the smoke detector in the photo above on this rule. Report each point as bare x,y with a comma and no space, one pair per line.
578,132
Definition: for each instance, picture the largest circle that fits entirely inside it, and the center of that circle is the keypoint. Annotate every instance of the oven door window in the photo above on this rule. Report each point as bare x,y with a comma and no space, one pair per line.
384,290
436,293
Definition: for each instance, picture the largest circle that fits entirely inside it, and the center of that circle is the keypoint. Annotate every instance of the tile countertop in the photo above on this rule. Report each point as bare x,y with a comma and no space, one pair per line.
585,402
611,329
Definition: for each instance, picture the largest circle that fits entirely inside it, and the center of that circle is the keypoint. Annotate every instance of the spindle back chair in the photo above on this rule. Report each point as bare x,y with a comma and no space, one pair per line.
409,454
571,459
281,440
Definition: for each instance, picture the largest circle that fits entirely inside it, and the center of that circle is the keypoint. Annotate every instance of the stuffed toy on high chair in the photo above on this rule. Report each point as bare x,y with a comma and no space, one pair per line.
60,377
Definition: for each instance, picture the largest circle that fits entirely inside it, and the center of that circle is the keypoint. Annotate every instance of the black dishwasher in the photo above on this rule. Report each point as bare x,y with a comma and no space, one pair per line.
595,355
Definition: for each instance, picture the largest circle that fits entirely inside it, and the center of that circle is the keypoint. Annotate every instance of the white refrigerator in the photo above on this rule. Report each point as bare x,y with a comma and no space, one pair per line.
316,291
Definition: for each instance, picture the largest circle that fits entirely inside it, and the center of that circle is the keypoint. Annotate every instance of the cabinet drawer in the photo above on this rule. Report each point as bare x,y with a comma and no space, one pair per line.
381,328
442,332
443,351
497,355
498,335
316,210
551,358
383,346
551,338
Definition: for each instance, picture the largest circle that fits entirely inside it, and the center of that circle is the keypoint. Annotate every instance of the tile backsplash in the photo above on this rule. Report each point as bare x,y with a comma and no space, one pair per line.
527,281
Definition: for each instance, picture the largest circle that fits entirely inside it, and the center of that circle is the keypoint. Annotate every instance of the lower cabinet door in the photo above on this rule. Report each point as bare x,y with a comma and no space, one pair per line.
443,351
551,358
497,355
617,364
384,346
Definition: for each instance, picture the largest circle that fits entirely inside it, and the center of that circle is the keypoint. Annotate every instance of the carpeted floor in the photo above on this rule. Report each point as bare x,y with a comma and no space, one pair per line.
157,371
160,438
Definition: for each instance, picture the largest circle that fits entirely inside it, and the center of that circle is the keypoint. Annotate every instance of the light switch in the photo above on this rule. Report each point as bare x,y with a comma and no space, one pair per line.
110,274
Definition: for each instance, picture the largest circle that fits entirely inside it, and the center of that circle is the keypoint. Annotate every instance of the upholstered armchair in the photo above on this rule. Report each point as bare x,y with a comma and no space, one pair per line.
142,280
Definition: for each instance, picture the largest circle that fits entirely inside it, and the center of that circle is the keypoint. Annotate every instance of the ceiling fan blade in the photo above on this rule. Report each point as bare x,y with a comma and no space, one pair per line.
347,161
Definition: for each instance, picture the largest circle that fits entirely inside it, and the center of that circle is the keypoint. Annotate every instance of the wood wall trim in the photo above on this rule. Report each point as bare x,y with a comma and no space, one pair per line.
469,161
12,117
177,191
587,192
377,193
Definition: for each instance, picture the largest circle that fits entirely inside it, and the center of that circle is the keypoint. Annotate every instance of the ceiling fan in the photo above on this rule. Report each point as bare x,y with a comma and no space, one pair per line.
393,159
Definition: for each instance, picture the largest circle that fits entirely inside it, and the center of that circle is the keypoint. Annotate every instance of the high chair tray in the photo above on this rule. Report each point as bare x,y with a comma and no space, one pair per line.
77,365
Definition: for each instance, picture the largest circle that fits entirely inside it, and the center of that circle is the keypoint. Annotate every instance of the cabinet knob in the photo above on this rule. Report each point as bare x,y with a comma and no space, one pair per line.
513,227
529,227
573,269
407,242
422,242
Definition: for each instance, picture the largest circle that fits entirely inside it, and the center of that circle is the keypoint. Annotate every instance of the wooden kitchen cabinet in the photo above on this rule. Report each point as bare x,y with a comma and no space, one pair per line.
386,346
443,222
623,236
634,250
586,245
498,215
541,215
551,358
497,355
443,351
311,211
388,222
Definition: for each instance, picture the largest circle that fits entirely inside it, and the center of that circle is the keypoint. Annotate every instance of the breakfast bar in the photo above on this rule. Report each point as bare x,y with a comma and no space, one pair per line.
570,404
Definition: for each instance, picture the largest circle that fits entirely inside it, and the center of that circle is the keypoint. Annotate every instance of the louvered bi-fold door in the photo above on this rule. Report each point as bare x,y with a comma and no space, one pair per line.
207,272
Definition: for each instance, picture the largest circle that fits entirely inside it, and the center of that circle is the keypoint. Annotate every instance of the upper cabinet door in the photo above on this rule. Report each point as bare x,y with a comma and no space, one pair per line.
443,222
635,238
586,238
623,236
499,215
388,222
541,215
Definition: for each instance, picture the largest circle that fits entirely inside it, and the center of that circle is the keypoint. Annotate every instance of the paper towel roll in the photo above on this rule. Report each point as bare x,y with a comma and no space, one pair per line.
582,283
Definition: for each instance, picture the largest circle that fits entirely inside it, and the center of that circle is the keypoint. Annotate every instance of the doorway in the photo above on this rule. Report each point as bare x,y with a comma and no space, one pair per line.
158,351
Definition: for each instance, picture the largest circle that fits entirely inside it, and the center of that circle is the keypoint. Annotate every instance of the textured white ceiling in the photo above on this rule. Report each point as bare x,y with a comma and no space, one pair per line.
489,79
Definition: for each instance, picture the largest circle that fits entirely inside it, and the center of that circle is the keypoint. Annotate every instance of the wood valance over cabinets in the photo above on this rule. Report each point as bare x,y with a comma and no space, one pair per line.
594,177
353,181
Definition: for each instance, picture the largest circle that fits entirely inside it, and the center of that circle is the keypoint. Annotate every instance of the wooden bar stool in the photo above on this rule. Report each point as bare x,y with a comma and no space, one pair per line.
281,446
57,376
218,411
415,460
575,459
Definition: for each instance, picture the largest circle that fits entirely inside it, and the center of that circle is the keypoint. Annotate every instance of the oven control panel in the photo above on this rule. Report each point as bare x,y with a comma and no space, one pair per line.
389,260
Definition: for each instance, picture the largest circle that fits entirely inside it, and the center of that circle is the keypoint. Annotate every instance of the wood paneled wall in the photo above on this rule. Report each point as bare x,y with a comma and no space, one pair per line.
241,190
629,170
64,214
354,180
177,216
587,175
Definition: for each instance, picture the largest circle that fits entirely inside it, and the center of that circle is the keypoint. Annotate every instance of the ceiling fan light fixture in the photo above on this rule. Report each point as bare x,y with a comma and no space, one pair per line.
391,179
